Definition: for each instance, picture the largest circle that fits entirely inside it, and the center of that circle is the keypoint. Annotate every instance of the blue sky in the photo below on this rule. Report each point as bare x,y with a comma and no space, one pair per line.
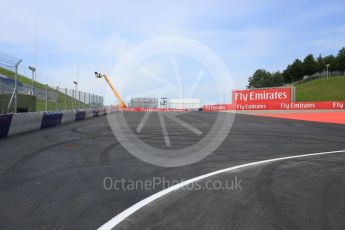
96,34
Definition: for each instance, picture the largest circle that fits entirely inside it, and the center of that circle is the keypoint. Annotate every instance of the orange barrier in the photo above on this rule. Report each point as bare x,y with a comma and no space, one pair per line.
327,117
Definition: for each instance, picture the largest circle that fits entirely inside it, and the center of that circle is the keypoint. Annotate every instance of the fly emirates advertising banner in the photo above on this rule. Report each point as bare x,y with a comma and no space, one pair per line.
277,99
260,98
271,99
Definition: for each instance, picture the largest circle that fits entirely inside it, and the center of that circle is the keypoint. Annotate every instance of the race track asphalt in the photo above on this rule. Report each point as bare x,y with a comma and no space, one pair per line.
53,178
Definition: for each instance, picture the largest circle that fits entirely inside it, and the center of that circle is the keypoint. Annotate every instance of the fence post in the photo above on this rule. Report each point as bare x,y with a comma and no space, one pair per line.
15,89
79,100
75,99
96,105
46,103
293,93
71,99
57,98
65,98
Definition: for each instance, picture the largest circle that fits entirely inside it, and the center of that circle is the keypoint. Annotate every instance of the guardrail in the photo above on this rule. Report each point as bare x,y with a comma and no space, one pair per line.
15,123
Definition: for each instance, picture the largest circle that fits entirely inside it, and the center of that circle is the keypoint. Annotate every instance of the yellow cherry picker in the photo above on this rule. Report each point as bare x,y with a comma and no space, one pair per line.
122,105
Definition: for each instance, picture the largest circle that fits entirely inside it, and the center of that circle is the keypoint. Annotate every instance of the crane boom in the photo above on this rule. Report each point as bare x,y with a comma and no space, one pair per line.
116,94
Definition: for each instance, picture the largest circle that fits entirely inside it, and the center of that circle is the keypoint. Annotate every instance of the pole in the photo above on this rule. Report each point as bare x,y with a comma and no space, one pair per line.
57,98
65,98
75,96
79,100
33,82
15,88
182,96
36,51
46,104
327,66
293,94
84,100
72,101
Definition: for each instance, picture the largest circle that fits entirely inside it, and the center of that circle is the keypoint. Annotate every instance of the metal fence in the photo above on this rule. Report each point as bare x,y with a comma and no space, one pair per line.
324,74
46,97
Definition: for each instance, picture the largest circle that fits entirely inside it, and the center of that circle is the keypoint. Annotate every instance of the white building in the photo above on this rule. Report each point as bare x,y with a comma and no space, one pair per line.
144,102
186,103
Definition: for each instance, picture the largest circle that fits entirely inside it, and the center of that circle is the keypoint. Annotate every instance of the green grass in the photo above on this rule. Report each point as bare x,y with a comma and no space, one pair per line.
332,89
22,79
40,104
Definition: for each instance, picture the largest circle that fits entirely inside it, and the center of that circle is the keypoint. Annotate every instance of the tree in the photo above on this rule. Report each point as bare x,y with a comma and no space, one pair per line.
294,72
309,65
297,70
277,79
261,78
341,59
320,64
332,61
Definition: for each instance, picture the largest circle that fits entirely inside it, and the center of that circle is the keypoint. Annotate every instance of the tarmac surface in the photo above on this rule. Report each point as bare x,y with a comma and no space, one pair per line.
54,178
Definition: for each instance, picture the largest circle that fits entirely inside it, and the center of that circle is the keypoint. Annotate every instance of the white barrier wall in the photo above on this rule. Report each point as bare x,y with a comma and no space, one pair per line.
68,116
24,122
89,113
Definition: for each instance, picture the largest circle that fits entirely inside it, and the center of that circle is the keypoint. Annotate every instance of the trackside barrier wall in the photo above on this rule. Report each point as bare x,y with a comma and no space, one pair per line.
89,113
137,109
51,119
103,112
80,115
262,96
24,122
95,113
5,122
68,116
218,107
11,124
331,105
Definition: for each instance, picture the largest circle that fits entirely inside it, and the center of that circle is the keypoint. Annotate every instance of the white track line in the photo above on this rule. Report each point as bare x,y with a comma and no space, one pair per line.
129,211
143,121
164,129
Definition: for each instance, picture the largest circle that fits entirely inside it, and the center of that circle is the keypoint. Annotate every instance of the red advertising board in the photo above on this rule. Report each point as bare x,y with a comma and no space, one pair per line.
261,96
218,107
137,109
335,105
293,105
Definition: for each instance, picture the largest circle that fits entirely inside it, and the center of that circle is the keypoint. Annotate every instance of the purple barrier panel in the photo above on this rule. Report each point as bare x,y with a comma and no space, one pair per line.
51,119
5,123
96,113
80,115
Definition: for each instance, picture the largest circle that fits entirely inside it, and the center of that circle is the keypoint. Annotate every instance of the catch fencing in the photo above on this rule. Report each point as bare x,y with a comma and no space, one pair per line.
23,94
